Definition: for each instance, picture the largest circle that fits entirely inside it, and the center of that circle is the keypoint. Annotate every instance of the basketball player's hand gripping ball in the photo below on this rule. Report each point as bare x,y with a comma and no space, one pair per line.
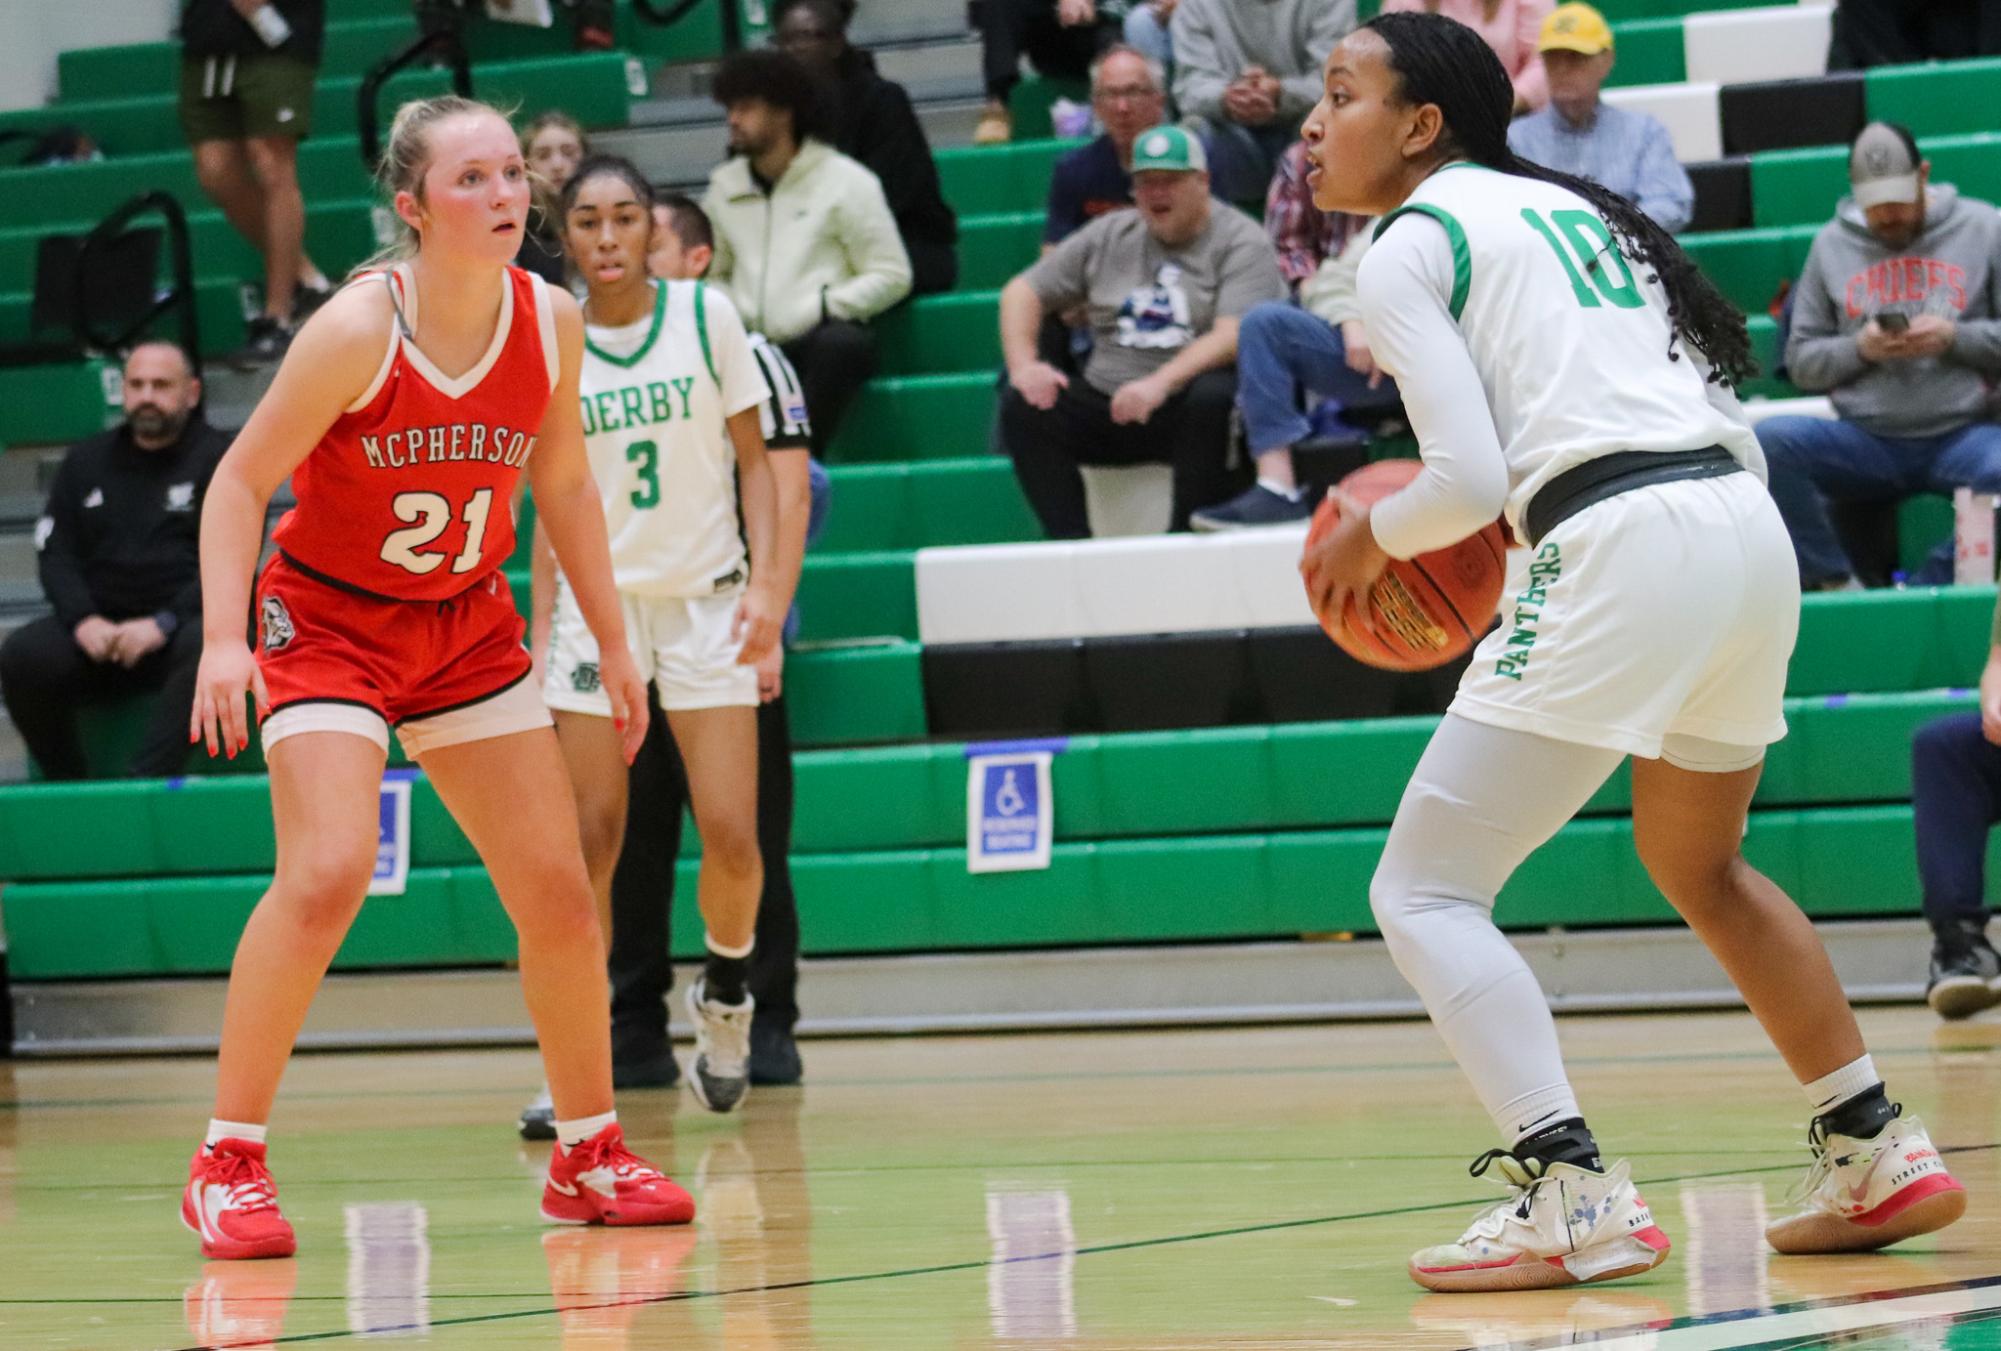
1397,614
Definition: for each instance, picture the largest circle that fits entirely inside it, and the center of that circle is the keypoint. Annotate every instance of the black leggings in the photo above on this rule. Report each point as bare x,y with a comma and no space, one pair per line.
1191,432
45,676
642,889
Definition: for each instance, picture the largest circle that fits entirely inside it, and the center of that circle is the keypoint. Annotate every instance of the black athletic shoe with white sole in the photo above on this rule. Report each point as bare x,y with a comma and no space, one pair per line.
1965,976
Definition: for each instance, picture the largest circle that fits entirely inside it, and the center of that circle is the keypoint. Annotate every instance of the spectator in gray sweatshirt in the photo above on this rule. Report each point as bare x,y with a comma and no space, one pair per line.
1246,73
1898,319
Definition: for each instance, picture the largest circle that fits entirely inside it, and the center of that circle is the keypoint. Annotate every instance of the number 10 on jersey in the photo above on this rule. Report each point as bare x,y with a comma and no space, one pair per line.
1582,243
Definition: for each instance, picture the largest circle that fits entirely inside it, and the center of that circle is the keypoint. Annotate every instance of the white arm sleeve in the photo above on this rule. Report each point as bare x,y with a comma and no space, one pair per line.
1404,286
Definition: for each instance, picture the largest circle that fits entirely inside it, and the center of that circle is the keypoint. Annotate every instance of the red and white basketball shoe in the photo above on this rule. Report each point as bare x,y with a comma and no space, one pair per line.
1562,1225
1864,1194
231,1202
602,1182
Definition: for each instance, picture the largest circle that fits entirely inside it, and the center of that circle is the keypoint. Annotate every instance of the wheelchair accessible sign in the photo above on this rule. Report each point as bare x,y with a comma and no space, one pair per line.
392,841
1010,806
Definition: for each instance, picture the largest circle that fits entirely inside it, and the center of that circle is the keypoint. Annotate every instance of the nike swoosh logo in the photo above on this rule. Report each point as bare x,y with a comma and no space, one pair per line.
563,1187
1858,1192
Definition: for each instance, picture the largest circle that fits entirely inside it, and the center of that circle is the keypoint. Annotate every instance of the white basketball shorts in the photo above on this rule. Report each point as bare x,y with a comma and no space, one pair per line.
1664,614
682,644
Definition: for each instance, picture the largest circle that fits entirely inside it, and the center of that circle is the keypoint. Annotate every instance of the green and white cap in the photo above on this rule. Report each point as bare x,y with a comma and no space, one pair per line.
1169,149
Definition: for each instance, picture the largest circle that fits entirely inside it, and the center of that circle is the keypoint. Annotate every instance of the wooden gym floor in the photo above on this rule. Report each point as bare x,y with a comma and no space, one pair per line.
1222,1188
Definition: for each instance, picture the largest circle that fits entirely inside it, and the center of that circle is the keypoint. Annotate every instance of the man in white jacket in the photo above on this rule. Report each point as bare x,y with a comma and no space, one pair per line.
805,242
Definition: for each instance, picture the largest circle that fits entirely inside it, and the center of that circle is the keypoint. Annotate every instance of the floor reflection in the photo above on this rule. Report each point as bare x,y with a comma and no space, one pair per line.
1032,1284
388,1268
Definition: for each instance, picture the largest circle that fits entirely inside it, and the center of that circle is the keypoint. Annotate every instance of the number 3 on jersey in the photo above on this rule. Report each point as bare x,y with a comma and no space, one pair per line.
432,513
645,455
1580,240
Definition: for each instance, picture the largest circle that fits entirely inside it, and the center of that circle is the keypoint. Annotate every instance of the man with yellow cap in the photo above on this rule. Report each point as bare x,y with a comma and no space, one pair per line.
1627,151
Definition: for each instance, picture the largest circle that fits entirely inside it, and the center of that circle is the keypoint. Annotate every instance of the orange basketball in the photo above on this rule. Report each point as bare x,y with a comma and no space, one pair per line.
1426,610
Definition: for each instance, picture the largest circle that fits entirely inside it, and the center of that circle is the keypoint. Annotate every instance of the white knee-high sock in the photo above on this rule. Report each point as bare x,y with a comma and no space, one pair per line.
1483,798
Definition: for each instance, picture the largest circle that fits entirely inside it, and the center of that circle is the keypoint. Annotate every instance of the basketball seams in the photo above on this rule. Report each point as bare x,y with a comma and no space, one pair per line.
1417,566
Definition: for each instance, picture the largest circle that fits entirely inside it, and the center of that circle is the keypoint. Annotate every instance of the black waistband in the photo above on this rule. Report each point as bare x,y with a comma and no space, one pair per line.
1590,483
325,579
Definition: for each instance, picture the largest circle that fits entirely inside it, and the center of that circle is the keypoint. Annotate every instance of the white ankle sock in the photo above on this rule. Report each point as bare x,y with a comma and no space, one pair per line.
723,950
1289,491
570,1134
219,1129
1537,1111
1831,1090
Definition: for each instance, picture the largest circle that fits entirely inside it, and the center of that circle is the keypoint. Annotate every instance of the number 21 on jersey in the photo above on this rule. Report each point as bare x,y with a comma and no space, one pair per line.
431,513
1584,246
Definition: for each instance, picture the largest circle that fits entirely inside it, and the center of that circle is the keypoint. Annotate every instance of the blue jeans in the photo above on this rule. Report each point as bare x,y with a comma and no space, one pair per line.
1813,461
1955,801
1242,159
1282,349
1147,35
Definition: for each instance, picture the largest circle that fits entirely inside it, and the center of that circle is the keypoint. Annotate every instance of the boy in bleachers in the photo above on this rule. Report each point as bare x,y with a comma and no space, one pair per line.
805,242
875,125
1897,318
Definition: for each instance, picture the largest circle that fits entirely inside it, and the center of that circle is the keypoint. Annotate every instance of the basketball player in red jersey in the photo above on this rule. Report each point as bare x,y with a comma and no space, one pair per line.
405,411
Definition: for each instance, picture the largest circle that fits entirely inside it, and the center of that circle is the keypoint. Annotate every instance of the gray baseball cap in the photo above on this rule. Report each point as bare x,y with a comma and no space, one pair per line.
1882,167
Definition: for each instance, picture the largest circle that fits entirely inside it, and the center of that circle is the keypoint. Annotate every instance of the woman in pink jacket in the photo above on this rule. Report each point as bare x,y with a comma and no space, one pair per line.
1511,27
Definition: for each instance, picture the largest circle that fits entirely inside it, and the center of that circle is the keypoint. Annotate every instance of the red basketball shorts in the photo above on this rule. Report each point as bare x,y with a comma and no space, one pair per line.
439,672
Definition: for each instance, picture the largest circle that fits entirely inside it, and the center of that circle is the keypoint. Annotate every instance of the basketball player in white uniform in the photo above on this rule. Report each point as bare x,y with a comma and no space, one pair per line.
671,395
1554,348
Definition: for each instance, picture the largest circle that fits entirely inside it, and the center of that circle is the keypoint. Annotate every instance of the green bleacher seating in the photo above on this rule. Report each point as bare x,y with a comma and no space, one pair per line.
993,247
1165,836
591,87
357,38
1800,187
980,180
46,404
1648,51
941,334
975,500
1841,751
1935,98
918,417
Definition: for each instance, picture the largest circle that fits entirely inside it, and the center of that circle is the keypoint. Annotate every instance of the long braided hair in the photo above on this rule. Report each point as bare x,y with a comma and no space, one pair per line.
1439,61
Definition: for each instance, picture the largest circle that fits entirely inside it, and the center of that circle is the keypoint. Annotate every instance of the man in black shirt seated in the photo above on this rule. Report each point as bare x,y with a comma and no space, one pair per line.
120,562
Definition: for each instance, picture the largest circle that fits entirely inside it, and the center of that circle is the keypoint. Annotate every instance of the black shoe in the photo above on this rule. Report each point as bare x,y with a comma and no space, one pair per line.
265,341
1256,506
1965,976
774,1055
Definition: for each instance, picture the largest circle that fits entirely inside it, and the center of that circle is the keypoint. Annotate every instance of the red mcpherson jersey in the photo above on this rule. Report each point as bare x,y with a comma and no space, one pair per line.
409,495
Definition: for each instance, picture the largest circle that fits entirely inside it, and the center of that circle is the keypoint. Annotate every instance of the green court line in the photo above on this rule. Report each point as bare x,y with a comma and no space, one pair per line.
941,1268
